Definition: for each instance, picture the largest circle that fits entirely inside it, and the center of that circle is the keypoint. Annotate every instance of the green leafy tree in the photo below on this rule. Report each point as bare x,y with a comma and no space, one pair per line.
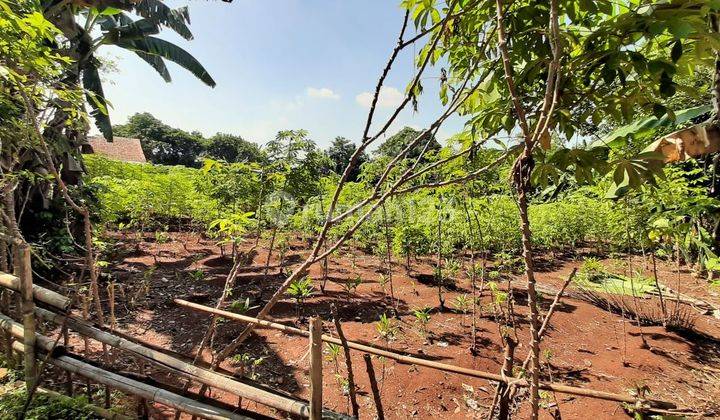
161,143
300,161
400,140
561,67
340,152
233,149
129,25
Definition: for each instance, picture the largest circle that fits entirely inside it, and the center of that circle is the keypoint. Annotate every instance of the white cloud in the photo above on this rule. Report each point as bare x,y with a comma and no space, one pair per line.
323,93
389,97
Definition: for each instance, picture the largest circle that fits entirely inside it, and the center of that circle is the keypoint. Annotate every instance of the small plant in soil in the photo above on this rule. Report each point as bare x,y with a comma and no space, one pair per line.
197,275
422,318
462,303
161,237
333,355
301,290
343,383
248,364
498,298
353,259
386,328
283,246
240,306
383,281
350,286
509,263
591,270
452,268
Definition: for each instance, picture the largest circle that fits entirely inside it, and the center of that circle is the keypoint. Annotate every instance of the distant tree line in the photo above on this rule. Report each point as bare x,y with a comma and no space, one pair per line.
166,145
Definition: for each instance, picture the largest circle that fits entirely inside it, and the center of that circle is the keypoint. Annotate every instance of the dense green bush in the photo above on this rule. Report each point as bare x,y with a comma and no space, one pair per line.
150,196
44,407
146,196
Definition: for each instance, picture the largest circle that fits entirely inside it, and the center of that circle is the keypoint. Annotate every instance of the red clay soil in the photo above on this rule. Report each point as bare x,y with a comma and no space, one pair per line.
586,346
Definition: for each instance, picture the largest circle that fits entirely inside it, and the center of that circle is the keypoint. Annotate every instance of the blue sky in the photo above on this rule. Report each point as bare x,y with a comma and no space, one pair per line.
285,64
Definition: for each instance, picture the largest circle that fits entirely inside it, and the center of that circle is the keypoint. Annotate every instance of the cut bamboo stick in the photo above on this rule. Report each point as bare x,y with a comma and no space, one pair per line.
134,387
40,293
199,374
547,386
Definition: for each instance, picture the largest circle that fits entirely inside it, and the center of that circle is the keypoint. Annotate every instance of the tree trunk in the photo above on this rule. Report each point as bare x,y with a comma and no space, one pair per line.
521,177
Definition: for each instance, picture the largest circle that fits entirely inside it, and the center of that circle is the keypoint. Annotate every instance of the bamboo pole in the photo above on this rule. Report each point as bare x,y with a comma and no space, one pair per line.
547,386
41,294
23,271
17,331
199,374
316,390
134,387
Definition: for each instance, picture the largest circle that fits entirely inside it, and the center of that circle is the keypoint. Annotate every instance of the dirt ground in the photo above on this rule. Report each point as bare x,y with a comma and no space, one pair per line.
586,345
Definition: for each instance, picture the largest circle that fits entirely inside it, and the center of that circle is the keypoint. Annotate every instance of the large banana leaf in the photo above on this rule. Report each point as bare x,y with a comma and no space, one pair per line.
158,12
96,98
132,30
169,51
157,63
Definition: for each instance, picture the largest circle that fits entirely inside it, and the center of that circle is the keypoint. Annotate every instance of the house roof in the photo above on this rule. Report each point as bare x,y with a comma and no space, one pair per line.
122,148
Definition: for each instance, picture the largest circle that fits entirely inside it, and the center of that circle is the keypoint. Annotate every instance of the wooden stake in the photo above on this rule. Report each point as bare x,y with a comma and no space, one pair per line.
111,303
68,374
316,397
374,386
23,272
348,363
86,341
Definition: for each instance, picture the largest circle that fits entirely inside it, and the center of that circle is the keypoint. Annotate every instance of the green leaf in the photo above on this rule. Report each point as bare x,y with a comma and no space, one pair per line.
96,99
680,28
158,12
616,137
133,30
169,51
157,63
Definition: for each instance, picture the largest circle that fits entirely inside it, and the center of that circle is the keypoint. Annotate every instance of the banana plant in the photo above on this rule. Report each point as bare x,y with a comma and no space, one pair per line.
88,26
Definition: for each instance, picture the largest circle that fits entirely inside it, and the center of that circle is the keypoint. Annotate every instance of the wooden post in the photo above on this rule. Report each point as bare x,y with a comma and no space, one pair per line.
23,271
316,369
68,374
86,341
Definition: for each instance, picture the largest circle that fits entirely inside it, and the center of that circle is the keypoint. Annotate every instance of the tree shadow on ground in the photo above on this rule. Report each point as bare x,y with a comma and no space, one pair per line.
704,348
431,281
